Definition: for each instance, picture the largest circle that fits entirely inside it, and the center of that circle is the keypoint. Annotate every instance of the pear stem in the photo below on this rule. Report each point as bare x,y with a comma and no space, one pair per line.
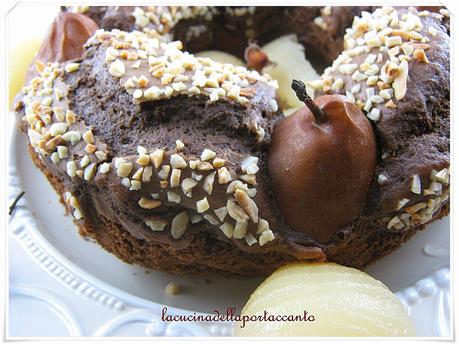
300,89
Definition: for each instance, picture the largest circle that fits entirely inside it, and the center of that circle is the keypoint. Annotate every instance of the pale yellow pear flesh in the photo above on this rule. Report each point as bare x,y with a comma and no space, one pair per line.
343,302
289,62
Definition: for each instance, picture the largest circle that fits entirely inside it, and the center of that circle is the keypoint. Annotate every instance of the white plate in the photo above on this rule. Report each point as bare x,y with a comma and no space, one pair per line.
104,296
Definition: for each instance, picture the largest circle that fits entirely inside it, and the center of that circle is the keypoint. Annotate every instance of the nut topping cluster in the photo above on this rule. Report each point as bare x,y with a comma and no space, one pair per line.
55,132
192,182
421,212
374,67
150,70
319,21
161,19
73,204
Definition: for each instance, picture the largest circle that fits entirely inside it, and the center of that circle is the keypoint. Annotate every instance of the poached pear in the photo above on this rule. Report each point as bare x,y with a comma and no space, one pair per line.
321,162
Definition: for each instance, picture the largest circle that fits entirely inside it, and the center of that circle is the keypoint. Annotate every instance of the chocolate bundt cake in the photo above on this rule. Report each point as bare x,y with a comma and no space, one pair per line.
164,158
